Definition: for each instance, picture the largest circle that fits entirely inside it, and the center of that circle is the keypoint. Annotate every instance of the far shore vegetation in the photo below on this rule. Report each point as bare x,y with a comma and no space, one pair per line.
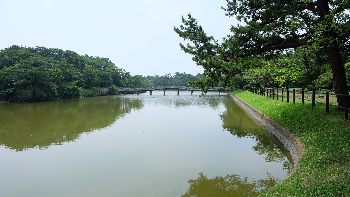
44,74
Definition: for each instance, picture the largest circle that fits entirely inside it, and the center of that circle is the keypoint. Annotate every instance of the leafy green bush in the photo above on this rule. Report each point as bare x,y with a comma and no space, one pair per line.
113,90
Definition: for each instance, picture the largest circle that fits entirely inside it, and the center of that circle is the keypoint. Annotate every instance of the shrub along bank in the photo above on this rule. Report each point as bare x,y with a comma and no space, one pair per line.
325,167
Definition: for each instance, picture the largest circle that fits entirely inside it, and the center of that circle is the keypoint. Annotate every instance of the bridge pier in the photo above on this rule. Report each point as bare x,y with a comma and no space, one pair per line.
150,92
191,92
178,91
164,92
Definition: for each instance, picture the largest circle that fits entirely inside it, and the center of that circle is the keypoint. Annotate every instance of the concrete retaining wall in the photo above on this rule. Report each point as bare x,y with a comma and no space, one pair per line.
292,143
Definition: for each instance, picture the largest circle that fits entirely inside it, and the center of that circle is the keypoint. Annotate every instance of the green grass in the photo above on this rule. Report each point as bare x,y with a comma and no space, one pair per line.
325,167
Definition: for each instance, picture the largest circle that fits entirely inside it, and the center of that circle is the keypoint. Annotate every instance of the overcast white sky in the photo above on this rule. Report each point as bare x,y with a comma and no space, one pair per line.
136,35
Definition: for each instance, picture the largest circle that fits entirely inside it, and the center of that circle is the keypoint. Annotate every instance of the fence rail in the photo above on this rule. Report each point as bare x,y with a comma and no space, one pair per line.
324,98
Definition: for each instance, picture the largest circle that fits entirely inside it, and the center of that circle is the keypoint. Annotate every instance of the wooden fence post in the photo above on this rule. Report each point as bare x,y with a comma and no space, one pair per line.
346,107
287,95
267,92
273,93
346,114
277,93
313,98
293,96
327,102
302,96
282,94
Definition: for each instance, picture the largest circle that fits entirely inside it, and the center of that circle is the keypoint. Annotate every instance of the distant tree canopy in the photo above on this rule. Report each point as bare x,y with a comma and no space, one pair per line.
42,74
288,43
177,79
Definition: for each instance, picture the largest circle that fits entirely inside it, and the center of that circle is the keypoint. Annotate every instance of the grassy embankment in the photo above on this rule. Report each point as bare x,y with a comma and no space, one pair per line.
325,167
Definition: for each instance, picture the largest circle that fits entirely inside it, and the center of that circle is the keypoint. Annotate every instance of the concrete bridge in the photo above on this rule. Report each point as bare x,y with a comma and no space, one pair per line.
170,88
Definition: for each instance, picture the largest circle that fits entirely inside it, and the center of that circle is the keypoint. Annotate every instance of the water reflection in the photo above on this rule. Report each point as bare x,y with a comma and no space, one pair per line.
24,126
172,100
152,152
210,101
243,126
228,186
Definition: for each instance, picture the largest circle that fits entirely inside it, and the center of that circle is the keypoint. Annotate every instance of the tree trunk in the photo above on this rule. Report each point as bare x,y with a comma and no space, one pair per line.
331,44
339,77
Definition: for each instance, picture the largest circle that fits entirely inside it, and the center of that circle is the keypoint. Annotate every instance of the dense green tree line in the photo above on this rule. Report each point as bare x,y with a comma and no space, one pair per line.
177,79
42,74
286,43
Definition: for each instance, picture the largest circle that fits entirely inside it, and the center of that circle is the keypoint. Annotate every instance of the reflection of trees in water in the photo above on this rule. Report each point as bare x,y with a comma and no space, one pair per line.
241,125
204,100
228,186
24,126
213,101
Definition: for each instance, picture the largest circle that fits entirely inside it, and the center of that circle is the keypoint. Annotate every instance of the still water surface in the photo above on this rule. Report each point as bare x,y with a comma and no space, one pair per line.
136,145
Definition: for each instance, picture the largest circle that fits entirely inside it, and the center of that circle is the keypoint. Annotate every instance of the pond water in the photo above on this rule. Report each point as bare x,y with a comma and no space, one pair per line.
136,145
